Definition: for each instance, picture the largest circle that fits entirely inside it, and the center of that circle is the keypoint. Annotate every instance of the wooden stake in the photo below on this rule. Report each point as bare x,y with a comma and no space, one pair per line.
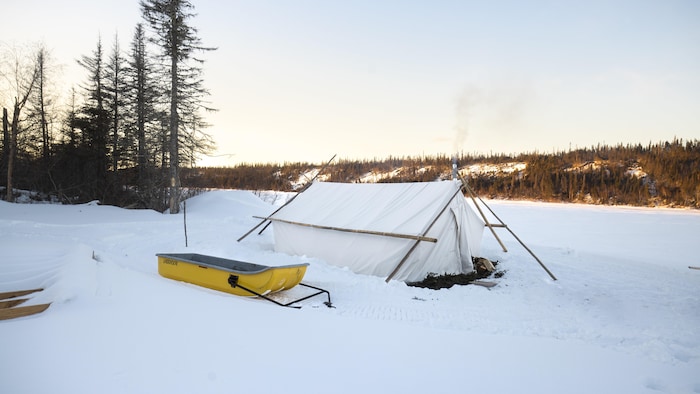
184,219
17,293
20,311
12,303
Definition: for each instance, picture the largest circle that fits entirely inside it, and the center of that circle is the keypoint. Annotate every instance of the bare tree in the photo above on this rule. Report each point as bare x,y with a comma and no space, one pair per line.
41,104
5,139
19,74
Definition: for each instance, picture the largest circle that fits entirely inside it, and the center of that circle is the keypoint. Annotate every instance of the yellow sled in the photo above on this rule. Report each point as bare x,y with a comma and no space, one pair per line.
231,276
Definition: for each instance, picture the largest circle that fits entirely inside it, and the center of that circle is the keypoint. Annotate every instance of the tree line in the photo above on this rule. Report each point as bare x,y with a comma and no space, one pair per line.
663,173
129,134
125,132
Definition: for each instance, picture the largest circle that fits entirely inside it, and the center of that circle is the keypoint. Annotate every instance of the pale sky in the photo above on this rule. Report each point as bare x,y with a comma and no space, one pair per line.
304,80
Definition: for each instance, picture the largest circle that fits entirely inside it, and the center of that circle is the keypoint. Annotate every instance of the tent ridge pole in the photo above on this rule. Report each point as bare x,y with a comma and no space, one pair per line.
349,230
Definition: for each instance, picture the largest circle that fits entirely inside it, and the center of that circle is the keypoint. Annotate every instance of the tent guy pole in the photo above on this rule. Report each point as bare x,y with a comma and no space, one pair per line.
471,192
288,201
415,244
476,204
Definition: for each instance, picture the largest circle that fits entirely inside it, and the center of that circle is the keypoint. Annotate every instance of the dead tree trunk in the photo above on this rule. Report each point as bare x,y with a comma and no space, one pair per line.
6,140
174,126
12,151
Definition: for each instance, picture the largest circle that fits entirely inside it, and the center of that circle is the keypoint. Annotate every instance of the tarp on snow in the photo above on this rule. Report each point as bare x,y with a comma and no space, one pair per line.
397,208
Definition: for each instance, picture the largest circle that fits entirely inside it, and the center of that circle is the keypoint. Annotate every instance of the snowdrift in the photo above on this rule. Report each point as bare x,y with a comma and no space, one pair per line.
623,316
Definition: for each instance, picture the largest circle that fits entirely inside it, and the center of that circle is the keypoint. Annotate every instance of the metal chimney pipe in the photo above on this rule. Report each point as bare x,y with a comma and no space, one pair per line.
454,168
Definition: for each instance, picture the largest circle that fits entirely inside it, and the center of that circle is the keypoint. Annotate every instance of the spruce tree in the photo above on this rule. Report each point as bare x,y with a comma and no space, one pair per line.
145,111
115,89
93,121
40,107
178,41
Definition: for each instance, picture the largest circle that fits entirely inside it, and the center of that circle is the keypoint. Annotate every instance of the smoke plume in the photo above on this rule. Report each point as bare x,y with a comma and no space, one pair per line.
465,103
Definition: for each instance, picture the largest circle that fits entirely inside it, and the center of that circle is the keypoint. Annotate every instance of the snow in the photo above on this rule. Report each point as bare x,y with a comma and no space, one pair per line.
622,317
636,171
495,169
378,176
307,176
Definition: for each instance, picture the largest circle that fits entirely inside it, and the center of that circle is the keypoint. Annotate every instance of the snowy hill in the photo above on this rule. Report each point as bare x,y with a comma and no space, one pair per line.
622,318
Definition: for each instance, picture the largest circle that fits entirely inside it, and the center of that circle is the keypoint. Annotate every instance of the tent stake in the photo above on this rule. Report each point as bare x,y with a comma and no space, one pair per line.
415,244
286,203
184,219
509,230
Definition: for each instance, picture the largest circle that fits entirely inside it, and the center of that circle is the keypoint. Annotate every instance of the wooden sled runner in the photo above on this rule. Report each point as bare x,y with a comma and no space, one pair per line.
17,293
9,308
234,277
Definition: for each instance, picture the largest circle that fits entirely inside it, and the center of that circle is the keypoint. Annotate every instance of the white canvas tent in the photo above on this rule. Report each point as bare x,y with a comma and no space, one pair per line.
401,231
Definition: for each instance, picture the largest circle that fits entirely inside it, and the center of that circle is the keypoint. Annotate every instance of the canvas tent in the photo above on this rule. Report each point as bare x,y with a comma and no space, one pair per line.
402,231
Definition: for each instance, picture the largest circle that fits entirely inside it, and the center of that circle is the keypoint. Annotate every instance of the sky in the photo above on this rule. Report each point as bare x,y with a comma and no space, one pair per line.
306,80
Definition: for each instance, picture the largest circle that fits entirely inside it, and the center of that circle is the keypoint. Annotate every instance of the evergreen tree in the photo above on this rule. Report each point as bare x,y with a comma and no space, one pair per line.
66,169
146,112
93,121
115,88
178,41
40,108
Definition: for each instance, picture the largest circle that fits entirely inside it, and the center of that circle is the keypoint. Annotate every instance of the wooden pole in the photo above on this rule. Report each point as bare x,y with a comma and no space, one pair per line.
306,186
286,203
17,293
476,204
347,230
184,219
531,253
516,237
415,244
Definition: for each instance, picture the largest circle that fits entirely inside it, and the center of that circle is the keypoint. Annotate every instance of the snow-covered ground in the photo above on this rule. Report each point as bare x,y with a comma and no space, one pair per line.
502,169
624,316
